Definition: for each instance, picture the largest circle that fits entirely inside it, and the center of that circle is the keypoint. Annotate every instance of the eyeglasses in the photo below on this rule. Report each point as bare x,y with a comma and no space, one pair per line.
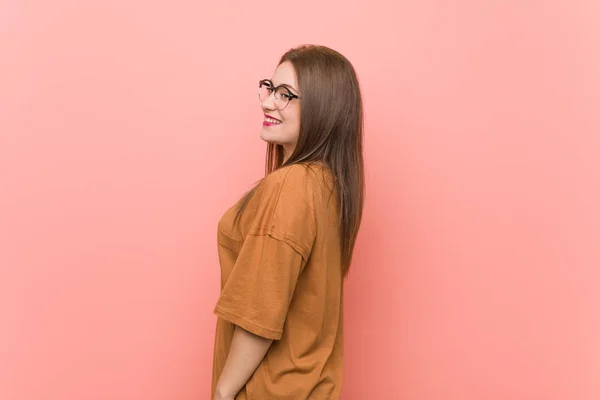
281,94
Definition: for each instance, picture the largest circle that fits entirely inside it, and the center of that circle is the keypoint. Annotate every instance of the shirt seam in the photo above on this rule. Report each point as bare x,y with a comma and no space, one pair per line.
228,235
275,235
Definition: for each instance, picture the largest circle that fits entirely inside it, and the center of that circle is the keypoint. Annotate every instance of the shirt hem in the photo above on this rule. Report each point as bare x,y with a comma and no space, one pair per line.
247,325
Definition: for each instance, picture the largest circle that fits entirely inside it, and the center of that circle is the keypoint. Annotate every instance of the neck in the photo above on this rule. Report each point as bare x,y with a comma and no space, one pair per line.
287,152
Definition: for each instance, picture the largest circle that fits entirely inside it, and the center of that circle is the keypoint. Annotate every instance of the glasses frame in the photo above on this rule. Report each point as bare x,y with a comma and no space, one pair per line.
274,89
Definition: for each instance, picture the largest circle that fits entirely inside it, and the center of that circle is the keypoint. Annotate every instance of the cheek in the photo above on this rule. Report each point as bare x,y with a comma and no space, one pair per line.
294,128
294,120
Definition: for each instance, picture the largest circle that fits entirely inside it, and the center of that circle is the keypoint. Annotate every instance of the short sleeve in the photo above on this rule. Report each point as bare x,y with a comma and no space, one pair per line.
258,292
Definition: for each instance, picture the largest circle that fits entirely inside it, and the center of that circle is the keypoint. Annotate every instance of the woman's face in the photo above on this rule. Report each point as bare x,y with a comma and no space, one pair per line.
282,126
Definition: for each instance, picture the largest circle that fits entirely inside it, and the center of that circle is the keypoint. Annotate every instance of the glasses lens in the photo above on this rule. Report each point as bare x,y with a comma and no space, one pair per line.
282,97
264,91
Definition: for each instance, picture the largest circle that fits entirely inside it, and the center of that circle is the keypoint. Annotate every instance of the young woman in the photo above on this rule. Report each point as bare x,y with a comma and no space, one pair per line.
286,246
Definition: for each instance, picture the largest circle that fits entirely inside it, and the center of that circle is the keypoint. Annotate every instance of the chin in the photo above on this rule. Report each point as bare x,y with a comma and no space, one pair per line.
267,138
263,136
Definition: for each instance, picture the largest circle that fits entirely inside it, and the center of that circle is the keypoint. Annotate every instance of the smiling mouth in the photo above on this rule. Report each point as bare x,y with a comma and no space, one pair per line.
271,121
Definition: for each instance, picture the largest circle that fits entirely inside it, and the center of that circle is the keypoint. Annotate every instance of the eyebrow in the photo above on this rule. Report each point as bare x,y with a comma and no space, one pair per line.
286,85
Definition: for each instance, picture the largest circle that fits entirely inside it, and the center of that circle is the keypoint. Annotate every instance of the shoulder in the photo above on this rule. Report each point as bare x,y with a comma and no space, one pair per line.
302,178
286,206
291,173
296,187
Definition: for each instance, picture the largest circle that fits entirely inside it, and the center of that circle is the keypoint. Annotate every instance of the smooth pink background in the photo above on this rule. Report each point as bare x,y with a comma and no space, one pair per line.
127,128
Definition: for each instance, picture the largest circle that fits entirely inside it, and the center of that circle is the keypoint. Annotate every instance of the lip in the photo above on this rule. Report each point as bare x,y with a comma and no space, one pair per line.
265,123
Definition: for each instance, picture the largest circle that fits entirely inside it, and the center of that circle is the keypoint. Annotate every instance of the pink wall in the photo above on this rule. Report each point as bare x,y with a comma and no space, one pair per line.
127,128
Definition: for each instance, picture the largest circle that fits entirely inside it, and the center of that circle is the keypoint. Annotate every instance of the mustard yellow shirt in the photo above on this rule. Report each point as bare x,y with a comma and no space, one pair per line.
281,278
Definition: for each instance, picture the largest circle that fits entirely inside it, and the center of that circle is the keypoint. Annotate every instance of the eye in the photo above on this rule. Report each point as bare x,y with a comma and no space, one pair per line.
284,93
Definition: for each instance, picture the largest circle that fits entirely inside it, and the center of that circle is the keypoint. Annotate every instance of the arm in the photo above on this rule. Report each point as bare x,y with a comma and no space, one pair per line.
247,351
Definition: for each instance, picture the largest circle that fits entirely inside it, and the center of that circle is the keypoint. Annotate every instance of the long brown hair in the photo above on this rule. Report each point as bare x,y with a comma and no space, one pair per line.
331,132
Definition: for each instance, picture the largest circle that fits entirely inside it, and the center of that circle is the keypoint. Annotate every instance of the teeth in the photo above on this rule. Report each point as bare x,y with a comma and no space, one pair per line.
272,121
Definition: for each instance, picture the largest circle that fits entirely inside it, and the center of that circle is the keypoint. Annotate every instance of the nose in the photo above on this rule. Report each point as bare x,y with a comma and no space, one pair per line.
269,103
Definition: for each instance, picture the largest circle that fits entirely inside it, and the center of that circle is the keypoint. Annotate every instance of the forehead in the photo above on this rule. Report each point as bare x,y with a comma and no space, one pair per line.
285,75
